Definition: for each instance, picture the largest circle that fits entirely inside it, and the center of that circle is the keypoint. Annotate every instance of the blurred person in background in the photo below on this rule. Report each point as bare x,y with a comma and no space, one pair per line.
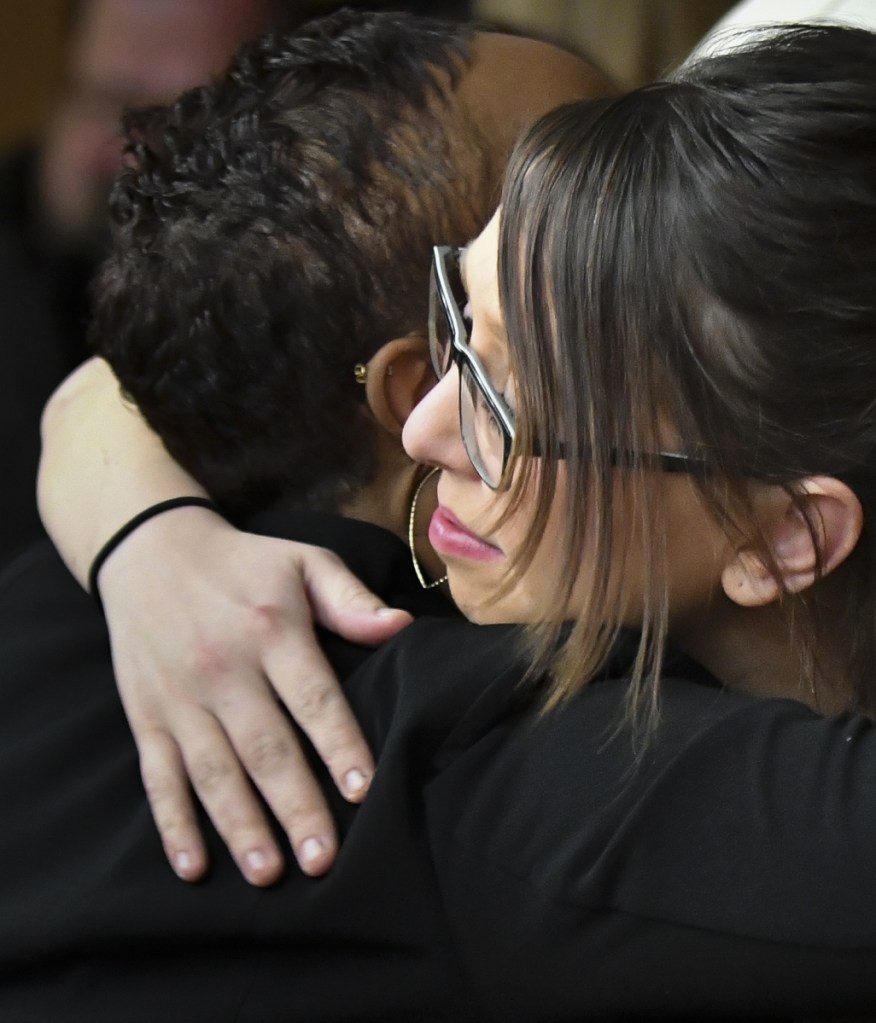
53,197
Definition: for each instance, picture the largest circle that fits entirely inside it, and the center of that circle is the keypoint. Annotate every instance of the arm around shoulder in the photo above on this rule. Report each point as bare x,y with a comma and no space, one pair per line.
209,628
101,464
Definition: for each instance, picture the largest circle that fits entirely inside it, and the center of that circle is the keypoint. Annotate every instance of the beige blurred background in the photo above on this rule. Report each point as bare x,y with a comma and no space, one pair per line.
634,40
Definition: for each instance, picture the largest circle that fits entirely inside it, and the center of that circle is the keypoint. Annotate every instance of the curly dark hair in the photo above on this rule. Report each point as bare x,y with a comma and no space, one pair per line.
272,230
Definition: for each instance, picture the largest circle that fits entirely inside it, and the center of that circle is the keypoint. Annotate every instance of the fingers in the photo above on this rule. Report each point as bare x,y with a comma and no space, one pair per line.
343,604
252,747
204,697
203,760
270,754
169,796
305,683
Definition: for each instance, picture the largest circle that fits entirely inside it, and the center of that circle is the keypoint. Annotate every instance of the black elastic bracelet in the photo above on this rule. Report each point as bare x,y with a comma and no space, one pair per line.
134,523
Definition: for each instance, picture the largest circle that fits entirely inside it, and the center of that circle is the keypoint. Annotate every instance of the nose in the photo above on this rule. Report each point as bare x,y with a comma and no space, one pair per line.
431,434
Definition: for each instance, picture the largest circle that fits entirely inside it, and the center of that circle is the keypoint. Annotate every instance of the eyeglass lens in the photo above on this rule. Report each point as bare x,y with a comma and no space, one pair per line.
482,434
440,323
439,329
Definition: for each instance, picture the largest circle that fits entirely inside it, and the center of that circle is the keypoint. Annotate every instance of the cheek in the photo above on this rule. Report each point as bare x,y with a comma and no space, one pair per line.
694,548
697,550
682,555
551,571
534,591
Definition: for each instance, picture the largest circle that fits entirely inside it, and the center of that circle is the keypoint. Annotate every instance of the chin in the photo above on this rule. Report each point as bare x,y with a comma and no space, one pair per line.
465,600
478,607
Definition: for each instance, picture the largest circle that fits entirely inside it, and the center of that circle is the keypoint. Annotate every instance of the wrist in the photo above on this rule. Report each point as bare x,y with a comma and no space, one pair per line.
134,524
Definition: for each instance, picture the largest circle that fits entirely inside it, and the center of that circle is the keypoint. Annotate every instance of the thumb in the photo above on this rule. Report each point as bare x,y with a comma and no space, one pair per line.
343,604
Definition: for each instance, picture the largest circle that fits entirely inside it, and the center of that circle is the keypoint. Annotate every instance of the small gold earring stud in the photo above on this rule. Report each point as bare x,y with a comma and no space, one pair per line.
360,372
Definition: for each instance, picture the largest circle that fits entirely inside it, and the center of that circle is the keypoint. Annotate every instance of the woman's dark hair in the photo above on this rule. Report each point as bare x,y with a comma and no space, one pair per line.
701,255
274,229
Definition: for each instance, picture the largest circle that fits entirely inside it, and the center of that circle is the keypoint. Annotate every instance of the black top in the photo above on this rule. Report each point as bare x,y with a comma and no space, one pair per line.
504,865
43,319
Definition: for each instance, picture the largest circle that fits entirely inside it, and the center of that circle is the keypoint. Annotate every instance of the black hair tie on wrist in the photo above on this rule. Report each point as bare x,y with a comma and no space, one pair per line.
135,523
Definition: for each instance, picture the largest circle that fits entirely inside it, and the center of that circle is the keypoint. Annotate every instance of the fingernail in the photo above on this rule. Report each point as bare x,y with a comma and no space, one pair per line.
312,850
182,864
386,612
256,860
355,783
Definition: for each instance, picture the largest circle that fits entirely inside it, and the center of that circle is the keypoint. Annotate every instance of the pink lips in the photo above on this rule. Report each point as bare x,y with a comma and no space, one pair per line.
452,540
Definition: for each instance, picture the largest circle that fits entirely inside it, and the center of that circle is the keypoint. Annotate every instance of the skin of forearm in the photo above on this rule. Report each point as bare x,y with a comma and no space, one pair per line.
101,464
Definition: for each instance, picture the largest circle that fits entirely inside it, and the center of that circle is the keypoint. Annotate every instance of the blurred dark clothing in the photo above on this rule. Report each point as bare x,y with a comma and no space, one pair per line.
459,10
43,315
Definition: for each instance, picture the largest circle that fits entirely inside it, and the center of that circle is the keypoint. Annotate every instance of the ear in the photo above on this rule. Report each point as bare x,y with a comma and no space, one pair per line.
399,375
836,517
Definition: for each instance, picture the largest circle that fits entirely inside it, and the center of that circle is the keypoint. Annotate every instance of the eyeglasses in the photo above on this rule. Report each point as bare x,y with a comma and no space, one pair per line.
487,424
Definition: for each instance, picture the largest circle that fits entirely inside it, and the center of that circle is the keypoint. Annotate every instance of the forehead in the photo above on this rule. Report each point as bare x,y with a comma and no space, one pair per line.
480,257
479,266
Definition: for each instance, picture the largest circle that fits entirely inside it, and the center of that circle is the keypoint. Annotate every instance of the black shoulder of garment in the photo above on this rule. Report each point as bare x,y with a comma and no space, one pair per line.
506,864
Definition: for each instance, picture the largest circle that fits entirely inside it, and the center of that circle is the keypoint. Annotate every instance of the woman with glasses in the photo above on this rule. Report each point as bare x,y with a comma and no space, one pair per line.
654,430
661,348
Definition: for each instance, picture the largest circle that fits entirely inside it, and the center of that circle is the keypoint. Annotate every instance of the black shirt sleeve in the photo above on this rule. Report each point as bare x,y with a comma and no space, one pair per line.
729,870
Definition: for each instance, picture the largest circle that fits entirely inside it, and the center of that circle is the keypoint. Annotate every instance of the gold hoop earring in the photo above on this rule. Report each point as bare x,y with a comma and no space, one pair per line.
412,518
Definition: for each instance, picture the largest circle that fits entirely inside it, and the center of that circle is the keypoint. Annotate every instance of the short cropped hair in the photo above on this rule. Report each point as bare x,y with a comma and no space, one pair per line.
274,229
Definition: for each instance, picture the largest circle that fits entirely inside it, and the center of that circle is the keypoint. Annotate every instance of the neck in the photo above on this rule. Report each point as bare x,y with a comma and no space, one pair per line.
753,651
386,501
